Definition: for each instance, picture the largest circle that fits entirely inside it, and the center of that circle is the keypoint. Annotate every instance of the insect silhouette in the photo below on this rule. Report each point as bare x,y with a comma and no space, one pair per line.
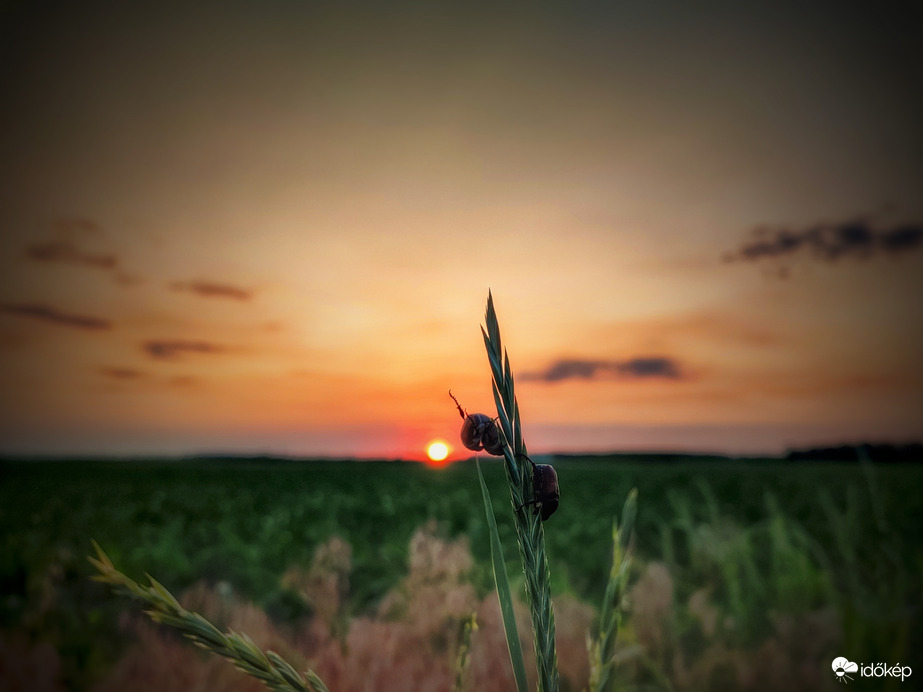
545,488
479,431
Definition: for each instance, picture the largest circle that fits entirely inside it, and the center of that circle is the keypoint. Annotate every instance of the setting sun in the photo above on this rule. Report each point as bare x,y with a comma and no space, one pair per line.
437,451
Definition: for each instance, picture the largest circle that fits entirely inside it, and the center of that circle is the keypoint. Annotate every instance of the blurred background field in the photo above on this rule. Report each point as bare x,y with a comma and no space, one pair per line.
749,573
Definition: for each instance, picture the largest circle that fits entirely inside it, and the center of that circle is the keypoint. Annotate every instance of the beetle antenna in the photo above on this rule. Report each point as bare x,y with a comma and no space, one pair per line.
461,411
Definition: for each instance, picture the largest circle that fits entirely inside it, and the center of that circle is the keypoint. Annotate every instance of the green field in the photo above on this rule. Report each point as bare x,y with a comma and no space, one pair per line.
753,549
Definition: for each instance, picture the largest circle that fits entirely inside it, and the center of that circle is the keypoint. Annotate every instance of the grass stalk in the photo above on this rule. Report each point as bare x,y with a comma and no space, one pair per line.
267,666
469,625
504,594
602,648
529,529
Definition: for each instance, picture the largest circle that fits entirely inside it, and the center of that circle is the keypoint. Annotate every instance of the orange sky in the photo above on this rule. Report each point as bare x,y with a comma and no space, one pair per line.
274,231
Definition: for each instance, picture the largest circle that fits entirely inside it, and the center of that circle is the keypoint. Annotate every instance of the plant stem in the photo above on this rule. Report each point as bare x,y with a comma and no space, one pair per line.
267,666
529,529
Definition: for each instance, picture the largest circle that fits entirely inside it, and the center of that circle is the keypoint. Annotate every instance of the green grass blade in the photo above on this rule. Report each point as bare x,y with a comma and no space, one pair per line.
268,667
602,647
530,533
529,528
503,590
469,625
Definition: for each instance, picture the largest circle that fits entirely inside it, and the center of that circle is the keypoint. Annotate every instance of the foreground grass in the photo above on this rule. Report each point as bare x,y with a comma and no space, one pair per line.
163,607
530,533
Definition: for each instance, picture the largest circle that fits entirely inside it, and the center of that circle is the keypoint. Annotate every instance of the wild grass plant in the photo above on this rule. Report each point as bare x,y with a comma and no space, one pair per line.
877,589
601,648
504,593
531,539
766,604
163,608
768,567
529,528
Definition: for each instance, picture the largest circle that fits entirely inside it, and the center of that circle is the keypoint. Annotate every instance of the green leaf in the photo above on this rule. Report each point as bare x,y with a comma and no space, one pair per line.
503,590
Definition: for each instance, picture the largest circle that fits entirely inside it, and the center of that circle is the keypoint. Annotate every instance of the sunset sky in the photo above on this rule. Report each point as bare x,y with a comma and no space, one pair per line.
272,227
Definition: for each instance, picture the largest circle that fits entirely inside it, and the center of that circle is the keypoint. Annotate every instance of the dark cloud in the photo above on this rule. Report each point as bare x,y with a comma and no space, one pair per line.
566,369
901,239
635,368
53,316
67,251
168,349
649,367
828,242
211,289
117,373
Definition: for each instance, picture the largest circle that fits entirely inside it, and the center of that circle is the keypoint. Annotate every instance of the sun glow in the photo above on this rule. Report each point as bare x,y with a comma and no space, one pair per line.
437,451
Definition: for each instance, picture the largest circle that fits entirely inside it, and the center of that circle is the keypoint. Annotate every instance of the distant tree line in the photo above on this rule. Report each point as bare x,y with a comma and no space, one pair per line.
883,453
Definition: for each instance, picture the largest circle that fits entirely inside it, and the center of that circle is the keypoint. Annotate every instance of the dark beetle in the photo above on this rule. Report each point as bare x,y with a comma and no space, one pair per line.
545,487
479,431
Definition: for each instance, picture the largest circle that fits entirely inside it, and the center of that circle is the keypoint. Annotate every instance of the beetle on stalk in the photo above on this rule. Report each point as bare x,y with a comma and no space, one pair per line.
480,432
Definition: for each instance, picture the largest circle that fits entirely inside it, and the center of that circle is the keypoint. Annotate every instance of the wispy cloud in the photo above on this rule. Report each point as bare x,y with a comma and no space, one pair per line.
66,251
169,349
68,247
641,367
828,242
123,374
52,315
213,289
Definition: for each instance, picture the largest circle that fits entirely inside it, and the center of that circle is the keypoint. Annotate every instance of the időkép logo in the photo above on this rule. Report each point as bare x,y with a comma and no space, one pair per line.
846,670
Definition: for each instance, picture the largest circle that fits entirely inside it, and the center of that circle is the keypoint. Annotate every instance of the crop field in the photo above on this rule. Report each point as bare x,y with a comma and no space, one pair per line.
748,574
